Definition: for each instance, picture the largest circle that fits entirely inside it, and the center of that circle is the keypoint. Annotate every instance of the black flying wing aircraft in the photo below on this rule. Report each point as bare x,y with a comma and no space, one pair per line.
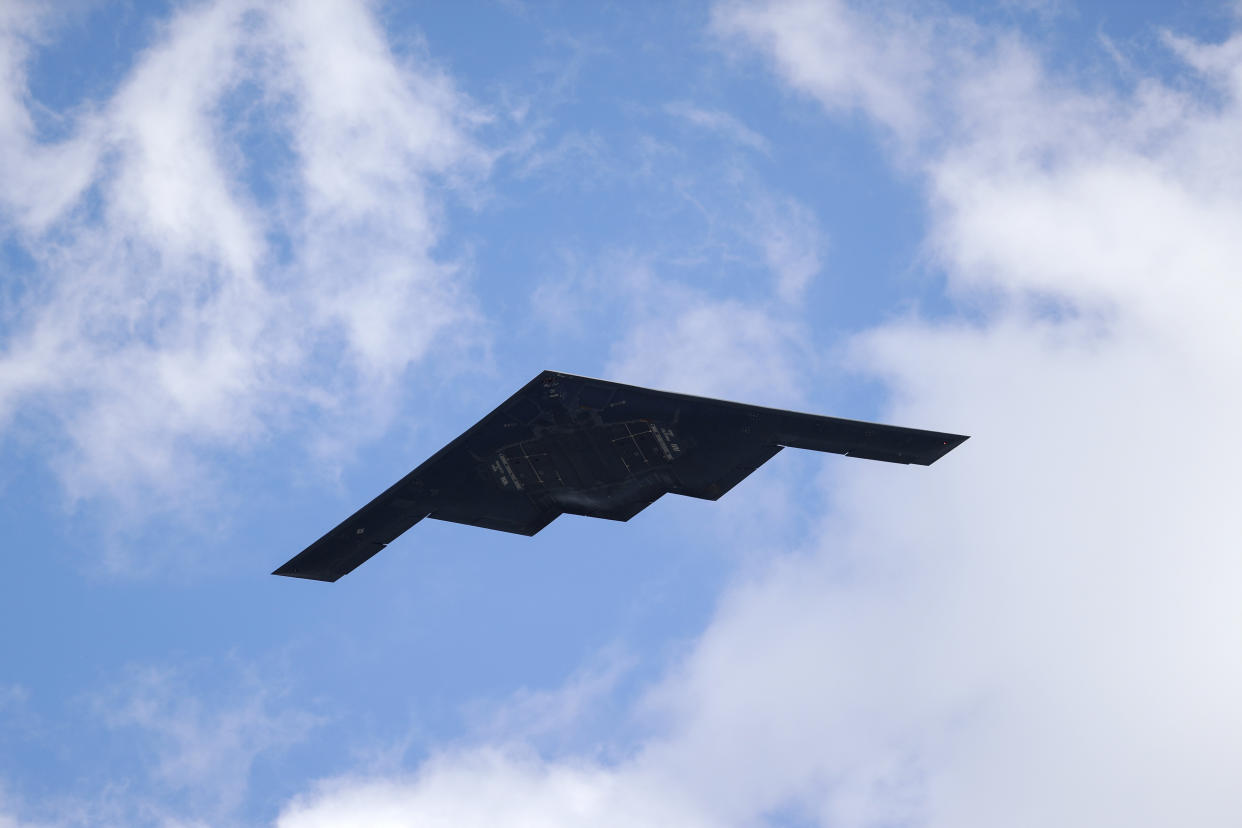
568,444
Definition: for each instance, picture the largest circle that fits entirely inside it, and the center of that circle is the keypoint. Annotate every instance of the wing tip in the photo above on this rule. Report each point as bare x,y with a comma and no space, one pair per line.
948,443
288,571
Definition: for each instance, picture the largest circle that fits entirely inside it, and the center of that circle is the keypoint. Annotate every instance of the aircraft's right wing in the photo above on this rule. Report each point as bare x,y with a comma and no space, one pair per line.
733,421
869,441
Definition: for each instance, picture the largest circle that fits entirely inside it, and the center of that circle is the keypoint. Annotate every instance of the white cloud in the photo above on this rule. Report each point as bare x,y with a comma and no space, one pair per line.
7,821
492,787
680,337
42,179
531,716
177,752
713,348
243,233
1043,628
203,748
716,120
792,244
1038,630
819,47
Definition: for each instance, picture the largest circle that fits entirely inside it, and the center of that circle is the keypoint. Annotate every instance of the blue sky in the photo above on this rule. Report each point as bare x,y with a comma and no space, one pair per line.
259,260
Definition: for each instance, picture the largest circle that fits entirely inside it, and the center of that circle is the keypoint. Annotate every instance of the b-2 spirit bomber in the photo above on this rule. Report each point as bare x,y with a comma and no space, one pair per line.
565,444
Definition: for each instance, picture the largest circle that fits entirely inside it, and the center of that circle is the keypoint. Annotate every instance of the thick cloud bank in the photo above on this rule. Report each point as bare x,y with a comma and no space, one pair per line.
1045,628
240,235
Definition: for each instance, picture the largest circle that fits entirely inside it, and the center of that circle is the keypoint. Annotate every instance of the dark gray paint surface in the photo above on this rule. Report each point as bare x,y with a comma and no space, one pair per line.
569,444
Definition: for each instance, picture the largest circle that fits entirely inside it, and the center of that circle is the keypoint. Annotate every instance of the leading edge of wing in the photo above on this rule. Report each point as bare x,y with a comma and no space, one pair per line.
853,438
356,539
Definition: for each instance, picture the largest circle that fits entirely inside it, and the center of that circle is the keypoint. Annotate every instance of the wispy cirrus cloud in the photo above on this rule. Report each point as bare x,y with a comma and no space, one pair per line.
180,747
715,348
203,748
240,236
42,178
819,48
715,120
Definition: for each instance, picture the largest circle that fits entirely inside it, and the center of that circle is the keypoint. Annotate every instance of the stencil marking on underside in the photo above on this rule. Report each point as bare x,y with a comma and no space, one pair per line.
626,448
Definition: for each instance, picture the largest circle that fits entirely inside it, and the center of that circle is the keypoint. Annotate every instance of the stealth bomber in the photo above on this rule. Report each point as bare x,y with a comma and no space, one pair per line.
565,444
